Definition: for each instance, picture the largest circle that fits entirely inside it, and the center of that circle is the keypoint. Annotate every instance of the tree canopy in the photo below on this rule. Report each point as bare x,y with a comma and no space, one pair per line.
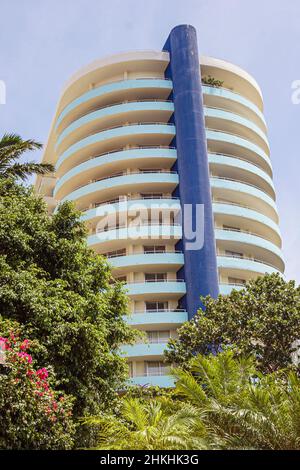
61,293
263,319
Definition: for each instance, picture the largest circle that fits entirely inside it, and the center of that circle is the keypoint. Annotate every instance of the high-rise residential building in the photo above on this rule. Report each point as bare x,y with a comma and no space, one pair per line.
167,156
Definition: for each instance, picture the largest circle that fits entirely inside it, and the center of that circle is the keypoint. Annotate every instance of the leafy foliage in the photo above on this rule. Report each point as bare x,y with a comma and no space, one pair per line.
263,319
12,147
33,415
149,426
60,292
212,81
240,407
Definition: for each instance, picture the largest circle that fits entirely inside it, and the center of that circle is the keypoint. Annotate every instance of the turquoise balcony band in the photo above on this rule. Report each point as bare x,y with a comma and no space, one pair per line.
226,289
143,349
240,142
143,259
106,209
113,87
157,318
244,264
164,381
230,95
246,189
142,233
122,109
248,239
144,288
235,118
246,166
119,181
117,132
246,214
126,156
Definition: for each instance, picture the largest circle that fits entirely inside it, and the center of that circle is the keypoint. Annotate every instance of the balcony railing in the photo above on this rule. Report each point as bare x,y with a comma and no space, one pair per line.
237,158
163,310
147,281
234,135
248,259
143,224
239,181
123,199
244,232
116,175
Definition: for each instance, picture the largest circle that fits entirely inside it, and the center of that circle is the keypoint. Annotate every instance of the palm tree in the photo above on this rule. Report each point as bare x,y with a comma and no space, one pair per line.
12,147
149,426
241,408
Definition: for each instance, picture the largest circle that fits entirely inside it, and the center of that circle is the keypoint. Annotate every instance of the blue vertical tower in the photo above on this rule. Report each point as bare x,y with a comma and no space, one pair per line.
200,265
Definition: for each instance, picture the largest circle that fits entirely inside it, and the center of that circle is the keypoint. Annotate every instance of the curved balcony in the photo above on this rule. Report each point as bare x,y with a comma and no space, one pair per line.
113,186
113,162
114,115
244,268
244,194
228,121
161,318
226,289
131,204
234,101
144,350
156,290
117,137
163,381
260,247
112,92
237,168
233,77
145,261
116,238
231,144
231,214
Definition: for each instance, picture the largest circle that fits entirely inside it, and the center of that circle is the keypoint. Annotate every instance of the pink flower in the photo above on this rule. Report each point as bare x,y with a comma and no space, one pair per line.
4,342
42,373
24,345
26,356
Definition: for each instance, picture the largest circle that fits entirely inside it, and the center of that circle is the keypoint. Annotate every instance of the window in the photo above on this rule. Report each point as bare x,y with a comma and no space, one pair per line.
152,195
158,336
130,366
234,254
150,170
154,249
121,278
155,277
116,253
156,306
236,280
229,227
156,368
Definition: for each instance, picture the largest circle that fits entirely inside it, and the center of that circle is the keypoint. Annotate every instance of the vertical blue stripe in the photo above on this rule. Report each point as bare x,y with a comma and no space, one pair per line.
200,266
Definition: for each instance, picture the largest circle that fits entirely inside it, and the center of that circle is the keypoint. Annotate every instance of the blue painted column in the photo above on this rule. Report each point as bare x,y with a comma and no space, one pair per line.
200,266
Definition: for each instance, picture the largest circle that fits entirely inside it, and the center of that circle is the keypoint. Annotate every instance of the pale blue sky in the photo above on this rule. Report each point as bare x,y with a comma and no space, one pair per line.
42,43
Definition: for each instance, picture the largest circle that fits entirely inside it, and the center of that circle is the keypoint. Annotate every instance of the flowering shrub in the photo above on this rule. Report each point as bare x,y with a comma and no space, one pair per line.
33,416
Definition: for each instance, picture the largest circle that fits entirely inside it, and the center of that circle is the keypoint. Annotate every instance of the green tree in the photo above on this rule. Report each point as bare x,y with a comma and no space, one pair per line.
33,415
60,291
240,407
12,147
263,319
149,425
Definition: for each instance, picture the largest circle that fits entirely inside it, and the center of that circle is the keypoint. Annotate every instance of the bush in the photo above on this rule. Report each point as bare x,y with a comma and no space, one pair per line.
33,416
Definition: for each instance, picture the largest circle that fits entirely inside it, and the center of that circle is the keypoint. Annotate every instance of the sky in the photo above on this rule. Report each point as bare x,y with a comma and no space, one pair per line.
42,43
